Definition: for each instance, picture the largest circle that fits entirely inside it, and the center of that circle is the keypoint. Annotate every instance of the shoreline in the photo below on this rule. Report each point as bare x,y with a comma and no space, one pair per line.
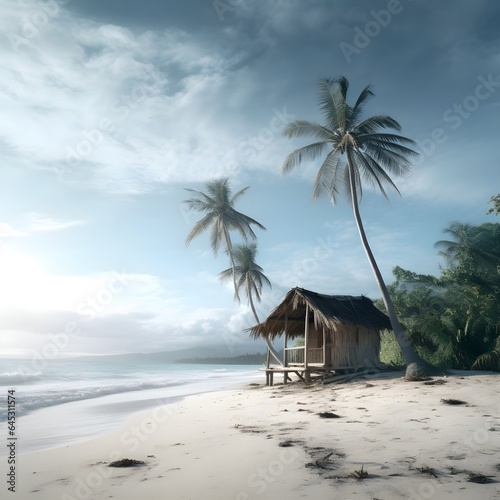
271,442
82,420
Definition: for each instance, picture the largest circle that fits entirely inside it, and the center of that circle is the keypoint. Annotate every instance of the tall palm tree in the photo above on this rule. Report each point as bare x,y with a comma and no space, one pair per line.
249,277
220,217
357,151
474,248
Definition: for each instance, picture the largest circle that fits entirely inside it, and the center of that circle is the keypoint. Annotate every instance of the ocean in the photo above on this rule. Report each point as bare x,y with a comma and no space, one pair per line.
67,400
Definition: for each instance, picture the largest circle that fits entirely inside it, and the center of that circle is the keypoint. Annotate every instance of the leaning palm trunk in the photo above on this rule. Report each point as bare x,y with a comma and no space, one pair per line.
229,247
409,353
270,346
373,155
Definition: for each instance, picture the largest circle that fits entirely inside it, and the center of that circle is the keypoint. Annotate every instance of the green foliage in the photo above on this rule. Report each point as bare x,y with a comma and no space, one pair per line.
300,342
489,360
495,201
454,319
390,352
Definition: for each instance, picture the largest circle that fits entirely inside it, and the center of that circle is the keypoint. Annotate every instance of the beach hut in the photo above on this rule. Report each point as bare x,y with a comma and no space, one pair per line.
339,333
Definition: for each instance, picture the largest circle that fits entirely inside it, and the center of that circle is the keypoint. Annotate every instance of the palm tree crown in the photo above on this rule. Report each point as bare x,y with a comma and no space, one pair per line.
373,155
478,246
220,215
247,274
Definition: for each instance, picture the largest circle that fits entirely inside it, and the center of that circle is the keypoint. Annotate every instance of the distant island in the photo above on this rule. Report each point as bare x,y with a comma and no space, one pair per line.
245,359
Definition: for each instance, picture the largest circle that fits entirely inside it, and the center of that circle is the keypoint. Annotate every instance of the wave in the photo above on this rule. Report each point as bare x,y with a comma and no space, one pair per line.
29,402
69,383
19,378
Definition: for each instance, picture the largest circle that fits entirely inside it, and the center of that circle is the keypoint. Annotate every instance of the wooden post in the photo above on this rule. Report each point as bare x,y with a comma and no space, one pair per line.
306,336
324,347
285,360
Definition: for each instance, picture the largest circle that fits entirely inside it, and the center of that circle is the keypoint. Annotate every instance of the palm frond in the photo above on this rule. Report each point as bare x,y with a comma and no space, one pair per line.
305,128
226,275
384,136
401,152
309,152
238,195
241,223
201,226
376,174
200,201
488,361
376,122
219,235
327,176
364,96
331,98
393,162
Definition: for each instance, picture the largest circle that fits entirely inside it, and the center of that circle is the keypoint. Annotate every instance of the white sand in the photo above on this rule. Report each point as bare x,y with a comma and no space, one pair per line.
225,445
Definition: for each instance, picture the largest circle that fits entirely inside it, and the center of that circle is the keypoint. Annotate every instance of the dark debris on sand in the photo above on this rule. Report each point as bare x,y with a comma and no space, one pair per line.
427,470
127,462
480,479
455,402
289,442
328,414
439,381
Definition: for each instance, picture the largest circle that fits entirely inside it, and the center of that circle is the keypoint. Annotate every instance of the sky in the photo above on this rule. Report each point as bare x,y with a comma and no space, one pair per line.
110,109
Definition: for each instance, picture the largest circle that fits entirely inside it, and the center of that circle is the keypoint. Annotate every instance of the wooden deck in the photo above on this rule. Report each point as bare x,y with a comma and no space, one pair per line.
304,374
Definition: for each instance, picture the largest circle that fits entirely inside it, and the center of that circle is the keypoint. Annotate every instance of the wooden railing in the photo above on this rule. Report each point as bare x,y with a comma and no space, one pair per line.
295,355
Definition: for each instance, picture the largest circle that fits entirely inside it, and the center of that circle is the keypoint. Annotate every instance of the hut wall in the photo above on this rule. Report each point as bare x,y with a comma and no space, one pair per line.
353,346
315,339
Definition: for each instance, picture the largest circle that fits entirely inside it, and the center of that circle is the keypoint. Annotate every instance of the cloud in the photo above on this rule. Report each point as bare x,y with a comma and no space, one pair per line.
106,312
7,231
113,109
43,223
124,112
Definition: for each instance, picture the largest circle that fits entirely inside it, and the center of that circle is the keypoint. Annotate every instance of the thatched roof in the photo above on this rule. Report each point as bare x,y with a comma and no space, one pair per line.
328,311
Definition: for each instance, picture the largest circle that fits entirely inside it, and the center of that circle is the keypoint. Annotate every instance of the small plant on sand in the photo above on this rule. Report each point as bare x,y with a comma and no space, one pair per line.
359,474
427,470
479,478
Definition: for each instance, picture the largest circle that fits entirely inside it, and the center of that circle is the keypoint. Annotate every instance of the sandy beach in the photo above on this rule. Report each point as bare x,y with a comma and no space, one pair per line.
290,442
